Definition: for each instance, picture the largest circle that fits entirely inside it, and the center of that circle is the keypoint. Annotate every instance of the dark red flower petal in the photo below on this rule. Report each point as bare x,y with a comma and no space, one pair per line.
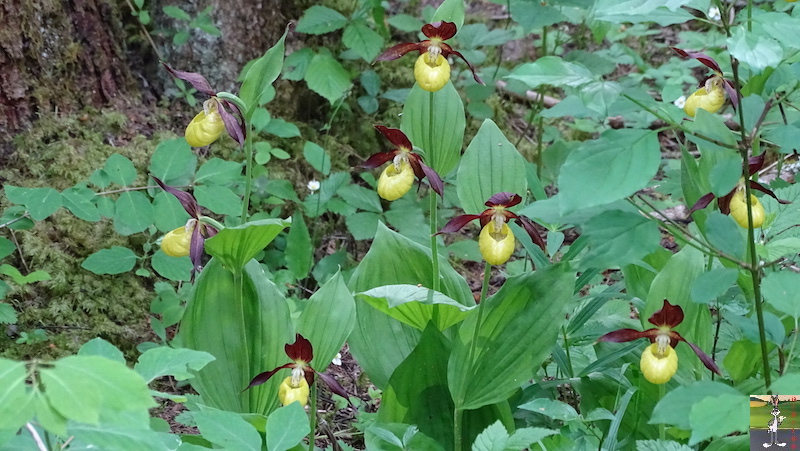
434,179
503,199
457,223
198,81
397,51
187,200
527,224
396,137
699,56
724,203
301,349
232,124
754,164
702,202
263,377
707,361
447,50
441,30
669,315
732,94
334,385
196,250
378,159
623,335
757,186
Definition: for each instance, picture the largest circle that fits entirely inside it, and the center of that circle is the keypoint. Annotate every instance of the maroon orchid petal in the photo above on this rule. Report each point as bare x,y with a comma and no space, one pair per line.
447,50
209,231
378,159
196,250
232,124
669,315
757,186
198,81
301,349
334,385
623,335
416,165
397,51
457,223
503,199
702,202
754,164
440,30
699,56
707,361
396,137
527,224
187,200
732,94
263,377
434,179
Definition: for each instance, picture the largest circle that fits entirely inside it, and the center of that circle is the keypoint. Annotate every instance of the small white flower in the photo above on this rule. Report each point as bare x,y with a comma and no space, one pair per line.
338,359
680,102
313,185
713,13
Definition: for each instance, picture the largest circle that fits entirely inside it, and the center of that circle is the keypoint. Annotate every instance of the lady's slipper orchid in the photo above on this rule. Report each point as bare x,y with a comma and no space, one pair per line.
432,71
301,353
207,125
711,95
734,204
496,241
196,230
396,180
659,360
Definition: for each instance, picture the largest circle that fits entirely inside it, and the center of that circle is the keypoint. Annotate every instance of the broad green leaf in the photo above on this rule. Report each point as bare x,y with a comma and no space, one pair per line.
78,201
363,40
441,137
16,406
552,71
675,408
554,409
102,348
166,361
386,437
120,170
379,342
119,438
286,427
219,199
507,354
724,234
660,445
525,437
493,438
712,284
491,164
320,20
172,268
133,213
726,172
419,386
361,198
115,260
532,15
282,128
782,27
776,249
261,75
296,64
327,319
19,279
327,77
317,157
80,387
6,247
739,360
787,383
601,171
362,225
218,171
176,13
168,211
450,11
757,50
618,238
414,305
780,291
600,95
299,250
7,314
707,423
228,430
40,202
404,22
235,246
662,12
173,162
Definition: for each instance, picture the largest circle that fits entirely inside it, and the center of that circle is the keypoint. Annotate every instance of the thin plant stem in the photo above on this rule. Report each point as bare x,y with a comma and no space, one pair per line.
248,164
662,431
312,417
570,371
433,212
36,438
755,271
458,413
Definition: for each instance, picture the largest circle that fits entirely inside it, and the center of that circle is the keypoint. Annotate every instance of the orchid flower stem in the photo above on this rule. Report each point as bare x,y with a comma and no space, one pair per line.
248,163
662,431
570,371
458,414
312,417
433,212
755,270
